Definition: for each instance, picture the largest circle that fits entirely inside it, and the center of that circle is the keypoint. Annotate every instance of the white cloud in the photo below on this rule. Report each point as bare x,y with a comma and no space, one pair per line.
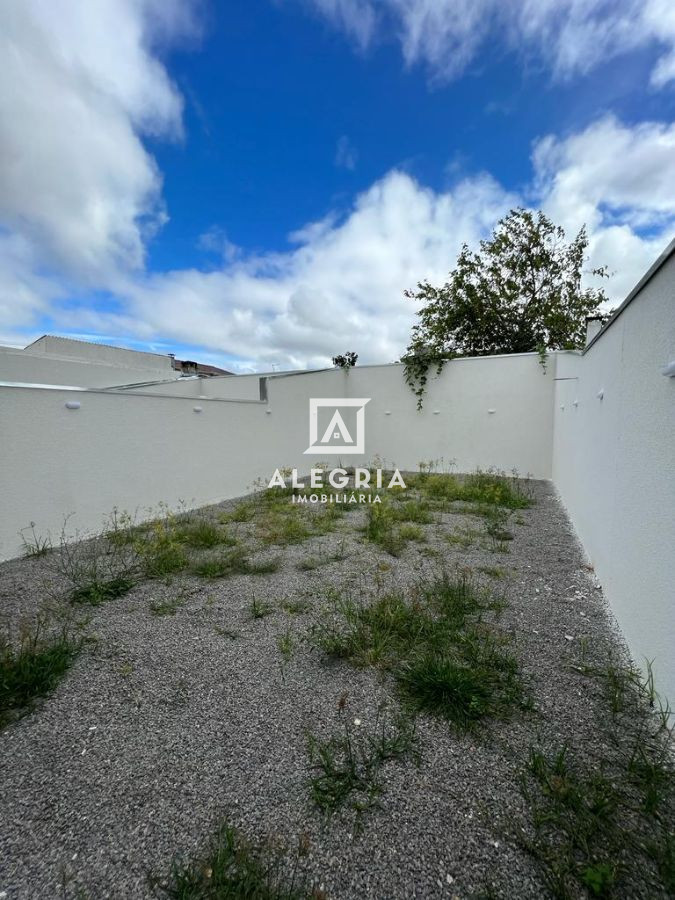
341,287
620,182
346,154
356,17
568,36
79,195
80,84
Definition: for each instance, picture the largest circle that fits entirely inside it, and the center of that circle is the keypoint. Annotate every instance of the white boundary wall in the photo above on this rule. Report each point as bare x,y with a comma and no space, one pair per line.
613,460
133,449
614,465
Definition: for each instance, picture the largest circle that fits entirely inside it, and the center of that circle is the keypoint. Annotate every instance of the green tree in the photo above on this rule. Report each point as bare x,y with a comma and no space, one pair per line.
520,292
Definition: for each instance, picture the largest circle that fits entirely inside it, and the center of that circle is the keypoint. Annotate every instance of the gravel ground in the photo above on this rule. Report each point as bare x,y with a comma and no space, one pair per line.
166,726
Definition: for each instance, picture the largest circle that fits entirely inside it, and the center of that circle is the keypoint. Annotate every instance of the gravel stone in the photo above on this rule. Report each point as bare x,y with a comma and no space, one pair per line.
165,727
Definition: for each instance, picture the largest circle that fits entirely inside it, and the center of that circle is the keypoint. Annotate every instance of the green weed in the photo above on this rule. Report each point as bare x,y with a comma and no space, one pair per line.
234,562
98,592
444,658
347,768
259,608
32,668
231,870
34,545
203,534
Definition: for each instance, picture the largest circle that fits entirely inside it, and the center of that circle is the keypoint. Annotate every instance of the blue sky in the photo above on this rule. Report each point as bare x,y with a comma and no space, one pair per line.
256,184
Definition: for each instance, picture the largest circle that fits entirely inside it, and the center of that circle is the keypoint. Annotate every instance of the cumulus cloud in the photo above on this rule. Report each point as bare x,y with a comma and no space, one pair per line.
80,195
341,286
569,36
620,182
81,84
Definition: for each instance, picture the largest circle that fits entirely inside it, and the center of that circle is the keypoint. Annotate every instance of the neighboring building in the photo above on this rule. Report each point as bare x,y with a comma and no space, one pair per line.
64,361
188,367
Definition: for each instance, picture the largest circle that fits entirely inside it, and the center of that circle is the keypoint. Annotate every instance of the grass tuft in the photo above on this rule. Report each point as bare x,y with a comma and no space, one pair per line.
231,869
33,544
234,562
347,767
101,591
260,609
444,657
203,535
32,668
606,829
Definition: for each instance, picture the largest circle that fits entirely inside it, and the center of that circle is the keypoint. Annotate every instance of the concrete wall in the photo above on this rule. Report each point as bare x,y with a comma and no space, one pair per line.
100,354
218,387
57,360
135,449
614,465
612,459
38,368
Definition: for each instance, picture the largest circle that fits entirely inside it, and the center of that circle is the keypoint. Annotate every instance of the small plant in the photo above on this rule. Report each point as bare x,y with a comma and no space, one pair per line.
234,562
464,536
492,571
496,520
98,592
33,544
203,535
161,552
413,511
259,609
244,512
296,607
32,668
380,529
97,569
286,645
230,869
264,567
347,767
482,489
167,607
284,528
595,827
444,657
409,532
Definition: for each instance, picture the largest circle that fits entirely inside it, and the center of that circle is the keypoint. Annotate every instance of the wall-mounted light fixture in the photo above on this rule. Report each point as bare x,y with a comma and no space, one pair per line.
491,412
387,412
72,404
669,370
601,393
268,412
197,409
437,412
562,406
575,403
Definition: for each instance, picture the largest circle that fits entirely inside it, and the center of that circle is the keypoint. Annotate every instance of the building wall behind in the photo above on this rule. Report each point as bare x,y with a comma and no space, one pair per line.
39,368
100,354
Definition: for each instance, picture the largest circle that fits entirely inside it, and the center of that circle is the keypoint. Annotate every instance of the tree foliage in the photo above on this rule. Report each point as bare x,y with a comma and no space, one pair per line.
520,292
345,361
